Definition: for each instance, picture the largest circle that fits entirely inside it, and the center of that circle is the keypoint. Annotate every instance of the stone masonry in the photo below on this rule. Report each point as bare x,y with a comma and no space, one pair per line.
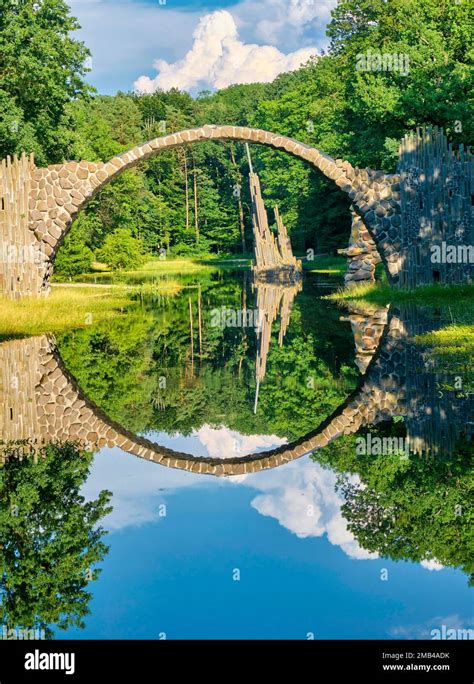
362,254
59,192
399,217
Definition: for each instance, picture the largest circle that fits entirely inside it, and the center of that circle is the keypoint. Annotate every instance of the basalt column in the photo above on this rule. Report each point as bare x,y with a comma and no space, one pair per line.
20,373
23,264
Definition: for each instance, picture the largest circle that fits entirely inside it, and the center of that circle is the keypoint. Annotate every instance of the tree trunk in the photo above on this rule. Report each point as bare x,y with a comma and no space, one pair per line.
200,322
196,213
239,200
187,190
191,330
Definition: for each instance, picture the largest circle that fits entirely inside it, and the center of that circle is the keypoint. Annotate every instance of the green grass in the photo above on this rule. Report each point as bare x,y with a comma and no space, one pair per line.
429,295
228,260
167,287
178,265
63,309
329,265
452,339
452,345
452,348
72,306
158,267
99,267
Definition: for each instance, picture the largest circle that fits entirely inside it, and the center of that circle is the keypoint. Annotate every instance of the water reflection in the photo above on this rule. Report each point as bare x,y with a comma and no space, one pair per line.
42,401
272,300
100,387
50,538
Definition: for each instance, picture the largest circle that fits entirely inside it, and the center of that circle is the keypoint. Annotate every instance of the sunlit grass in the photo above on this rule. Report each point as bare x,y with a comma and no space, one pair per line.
454,343
99,266
429,295
74,306
326,265
63,309
155,267
180,265
452,349
166,288
452,339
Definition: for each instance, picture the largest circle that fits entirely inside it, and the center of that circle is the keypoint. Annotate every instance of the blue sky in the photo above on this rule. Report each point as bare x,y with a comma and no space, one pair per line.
299,574
197,45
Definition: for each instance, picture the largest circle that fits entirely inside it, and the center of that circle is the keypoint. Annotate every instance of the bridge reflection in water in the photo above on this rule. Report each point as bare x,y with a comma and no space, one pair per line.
42,403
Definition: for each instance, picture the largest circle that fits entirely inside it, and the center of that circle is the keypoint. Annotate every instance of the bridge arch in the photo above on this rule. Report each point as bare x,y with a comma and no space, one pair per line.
47,404
55,409
59,192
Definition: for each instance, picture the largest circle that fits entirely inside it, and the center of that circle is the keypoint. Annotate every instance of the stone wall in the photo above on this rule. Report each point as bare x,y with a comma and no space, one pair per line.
362,254
22,261
437,195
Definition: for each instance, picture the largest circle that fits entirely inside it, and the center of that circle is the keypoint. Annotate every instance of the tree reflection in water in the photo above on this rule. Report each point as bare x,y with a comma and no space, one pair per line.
50,537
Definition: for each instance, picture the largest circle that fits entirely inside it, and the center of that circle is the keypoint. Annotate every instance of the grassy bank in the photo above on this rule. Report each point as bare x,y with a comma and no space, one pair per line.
63,309
167,288
453,339
189,265
331,265
154,267
71,306
429,295
172,266
453,345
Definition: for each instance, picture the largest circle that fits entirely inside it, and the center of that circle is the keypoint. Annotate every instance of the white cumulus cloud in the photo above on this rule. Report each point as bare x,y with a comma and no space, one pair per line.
431,565
225,443
304,499
283,21
219,58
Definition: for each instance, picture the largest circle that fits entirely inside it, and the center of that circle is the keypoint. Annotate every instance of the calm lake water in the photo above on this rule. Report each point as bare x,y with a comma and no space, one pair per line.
367,537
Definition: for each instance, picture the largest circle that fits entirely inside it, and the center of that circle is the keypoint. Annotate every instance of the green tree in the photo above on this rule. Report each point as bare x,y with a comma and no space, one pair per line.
420,509
41,70
73,259
121,250
50,540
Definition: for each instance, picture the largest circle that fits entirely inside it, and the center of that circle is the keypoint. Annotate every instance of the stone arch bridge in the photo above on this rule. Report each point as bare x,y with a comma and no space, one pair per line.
42,403
395,216
52,197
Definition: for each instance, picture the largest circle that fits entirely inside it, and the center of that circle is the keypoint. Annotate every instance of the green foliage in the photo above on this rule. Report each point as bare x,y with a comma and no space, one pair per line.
121,250
419,509
49,538
41,70
437,39
329,103
187,200
111,363
119,365
407,509
74,258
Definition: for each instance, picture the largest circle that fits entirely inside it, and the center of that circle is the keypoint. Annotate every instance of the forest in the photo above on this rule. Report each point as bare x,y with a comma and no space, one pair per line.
194,201
351,102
